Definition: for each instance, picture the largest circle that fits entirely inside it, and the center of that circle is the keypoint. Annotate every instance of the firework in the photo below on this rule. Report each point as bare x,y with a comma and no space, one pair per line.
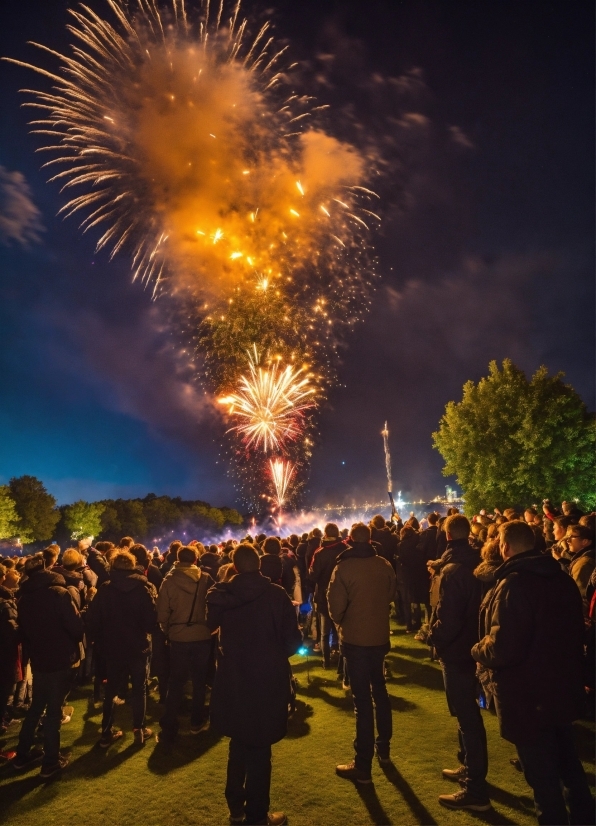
184,143
282,475
385,435
270,404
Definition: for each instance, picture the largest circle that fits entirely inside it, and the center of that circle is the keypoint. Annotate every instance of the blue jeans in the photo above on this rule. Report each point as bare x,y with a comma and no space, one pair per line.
549,762
462,690
248,781
118,672
50,690
367,681
187,659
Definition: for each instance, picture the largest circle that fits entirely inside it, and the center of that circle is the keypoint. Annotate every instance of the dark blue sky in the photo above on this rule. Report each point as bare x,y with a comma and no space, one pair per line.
487,253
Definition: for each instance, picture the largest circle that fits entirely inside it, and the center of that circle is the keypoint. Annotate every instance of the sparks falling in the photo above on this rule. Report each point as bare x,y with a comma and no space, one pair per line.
282,474
270,404
180,138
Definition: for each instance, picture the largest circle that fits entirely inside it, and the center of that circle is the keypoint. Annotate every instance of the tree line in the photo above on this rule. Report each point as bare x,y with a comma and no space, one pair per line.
28,511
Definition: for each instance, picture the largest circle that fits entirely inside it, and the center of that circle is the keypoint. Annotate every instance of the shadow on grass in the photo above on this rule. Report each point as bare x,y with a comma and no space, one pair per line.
97,761
316,690
418,809
415,672
522,802
377,813
12,793
166,757
297,725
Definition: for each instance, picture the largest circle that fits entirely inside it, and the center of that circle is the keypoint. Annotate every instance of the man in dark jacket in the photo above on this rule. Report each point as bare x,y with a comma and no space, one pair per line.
533,647
95,560
385,540
258,631
51,628
323,563
9,645
272,547
181,615
120,620
210,562
427,542
360,592
453,632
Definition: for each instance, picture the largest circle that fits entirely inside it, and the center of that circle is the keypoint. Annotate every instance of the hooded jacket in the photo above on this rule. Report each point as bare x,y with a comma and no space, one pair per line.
49,622
210,563
122,616
361,588
258,631
181,607
454,620
531,629
322,566
74,584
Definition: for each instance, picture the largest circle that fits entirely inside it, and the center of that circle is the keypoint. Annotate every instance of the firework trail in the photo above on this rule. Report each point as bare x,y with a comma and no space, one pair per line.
270,404
385,435
282,475
180,138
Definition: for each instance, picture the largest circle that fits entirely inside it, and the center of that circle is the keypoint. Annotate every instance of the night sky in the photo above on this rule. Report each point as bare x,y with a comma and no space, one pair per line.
486,252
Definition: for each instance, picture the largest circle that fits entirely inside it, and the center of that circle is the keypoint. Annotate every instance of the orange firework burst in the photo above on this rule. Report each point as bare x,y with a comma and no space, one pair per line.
270,404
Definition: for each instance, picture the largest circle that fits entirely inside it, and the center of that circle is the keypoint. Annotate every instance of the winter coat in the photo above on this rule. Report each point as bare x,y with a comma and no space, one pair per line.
211,563
49,623
485,572
122,615
98,565
153,575
581,567
412,562
427,543
361,589
531,629
386,541
258,631
272,568
322,566
9,637
454,620
184,586
74,584
288,574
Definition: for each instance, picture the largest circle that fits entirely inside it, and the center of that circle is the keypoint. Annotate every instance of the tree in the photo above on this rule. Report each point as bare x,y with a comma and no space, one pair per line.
513,442
83,518
9,520
36,509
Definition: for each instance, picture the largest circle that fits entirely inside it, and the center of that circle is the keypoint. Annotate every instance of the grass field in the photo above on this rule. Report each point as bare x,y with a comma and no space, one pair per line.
184,785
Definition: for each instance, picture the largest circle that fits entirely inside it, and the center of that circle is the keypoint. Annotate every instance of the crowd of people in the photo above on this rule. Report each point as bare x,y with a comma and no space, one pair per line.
505,601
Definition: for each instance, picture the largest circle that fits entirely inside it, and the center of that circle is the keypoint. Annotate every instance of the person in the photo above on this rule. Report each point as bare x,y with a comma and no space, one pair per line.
171,556
322,566
532,645
272,547
427,542
52,629
9,647
414,580
580,540
144,566
453,632
211,561
120,620
360,592
258,632
95,558
381,535
181,615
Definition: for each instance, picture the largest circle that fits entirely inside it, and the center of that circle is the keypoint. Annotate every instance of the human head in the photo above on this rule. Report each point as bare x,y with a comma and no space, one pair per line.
141,554
407,530
245,559
126,542
530,515
294,540
213,549
560,525
515,537
490,551
50,555
84,543
377,522
457,526
173,550
188,555
104,547
432,518
9,576
72,559
579,538
360,532
331,531
272,545
34,565
123,560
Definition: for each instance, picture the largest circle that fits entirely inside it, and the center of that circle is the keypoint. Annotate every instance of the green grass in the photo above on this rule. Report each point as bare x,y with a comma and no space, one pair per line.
152,785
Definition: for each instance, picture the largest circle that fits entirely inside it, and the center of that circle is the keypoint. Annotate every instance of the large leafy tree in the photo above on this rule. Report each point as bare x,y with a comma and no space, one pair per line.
9,520
36,509
83,518
511,441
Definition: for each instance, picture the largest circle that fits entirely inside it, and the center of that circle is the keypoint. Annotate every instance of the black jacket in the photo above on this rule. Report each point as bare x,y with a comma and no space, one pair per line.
122,616
454,620
258,631
74,584
412,561
98,565
9,636
323,563
427,542
386,543
49,622
531,629
211,563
